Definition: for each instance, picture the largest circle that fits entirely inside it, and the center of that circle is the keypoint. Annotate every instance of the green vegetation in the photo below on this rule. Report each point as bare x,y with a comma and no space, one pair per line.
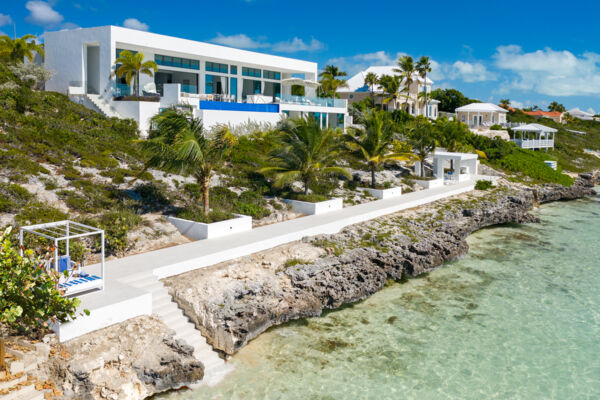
330,81
451,99
15,51
374,144
179,144
29,298
295,261
483,184
305,152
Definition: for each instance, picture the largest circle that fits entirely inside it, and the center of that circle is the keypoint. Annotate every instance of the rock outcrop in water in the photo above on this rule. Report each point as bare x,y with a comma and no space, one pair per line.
362,258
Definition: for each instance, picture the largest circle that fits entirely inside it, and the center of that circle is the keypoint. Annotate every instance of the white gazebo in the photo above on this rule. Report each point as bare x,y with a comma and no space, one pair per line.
73,278
534,136
454,167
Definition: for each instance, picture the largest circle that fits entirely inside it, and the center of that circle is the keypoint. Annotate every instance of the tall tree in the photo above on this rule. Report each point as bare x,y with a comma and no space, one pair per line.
392,88
17,50
451,99
178,143
374,144
504,103
305,152
132,65
423,68
421,135
371,80
555,106
330,80
406,69
451,135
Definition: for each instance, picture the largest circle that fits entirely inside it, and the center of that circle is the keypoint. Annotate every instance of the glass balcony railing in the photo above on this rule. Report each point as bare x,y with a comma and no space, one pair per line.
189,88
121,89
312,101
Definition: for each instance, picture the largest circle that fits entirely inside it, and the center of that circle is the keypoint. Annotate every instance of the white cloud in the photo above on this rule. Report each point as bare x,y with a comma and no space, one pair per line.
41,13
5,19
516,104
134,23
550,72
470,72
360,62
296,44
240,40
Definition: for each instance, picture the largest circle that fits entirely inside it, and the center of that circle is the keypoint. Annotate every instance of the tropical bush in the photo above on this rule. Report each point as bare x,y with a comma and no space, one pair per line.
29,297
483,184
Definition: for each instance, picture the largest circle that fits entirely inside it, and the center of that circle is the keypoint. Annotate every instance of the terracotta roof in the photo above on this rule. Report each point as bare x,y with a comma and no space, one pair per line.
540,113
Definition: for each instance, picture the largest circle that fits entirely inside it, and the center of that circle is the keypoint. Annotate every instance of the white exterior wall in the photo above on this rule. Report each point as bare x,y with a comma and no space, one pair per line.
321,207
212,118
198,230
141,111
66,56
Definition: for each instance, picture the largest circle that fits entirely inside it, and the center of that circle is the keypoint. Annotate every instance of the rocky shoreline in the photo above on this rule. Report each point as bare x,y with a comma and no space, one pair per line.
234,302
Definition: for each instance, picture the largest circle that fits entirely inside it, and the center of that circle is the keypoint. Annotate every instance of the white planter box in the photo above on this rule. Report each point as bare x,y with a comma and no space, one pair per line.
384,193
199,230
434,183
321,207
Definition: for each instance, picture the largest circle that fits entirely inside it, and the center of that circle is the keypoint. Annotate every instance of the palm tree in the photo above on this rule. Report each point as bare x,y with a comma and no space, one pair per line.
504,103
452,135
375,143
423,68
421,135
407,71
371,80
392,88
15,51
330,81
305,153
555,106
132,65
178,143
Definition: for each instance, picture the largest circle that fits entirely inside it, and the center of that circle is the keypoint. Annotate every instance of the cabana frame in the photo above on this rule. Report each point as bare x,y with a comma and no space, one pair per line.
68,230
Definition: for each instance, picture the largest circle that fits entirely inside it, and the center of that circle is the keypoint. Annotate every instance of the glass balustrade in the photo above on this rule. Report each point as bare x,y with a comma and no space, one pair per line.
313,101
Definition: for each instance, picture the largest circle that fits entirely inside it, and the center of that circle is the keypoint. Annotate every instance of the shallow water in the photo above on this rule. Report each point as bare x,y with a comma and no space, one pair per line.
519,317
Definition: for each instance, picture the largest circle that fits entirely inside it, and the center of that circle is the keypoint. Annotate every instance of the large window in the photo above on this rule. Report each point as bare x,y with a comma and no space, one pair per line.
119,51
250,87
251,72
178,62
233,69
234,89
216,67
215,84
271,75
272,89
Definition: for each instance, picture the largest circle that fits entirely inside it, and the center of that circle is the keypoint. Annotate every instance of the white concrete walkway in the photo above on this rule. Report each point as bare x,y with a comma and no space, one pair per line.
143,271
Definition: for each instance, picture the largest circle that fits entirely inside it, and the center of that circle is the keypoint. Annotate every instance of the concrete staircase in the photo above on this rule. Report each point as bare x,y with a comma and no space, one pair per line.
163,305
16,384
103,106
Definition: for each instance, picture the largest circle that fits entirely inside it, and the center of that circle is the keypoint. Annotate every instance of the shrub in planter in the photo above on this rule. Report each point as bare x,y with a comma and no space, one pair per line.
197,215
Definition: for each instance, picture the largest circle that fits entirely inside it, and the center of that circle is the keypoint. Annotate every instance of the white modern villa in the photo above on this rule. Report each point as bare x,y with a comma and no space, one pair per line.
221,85
481,115
357,90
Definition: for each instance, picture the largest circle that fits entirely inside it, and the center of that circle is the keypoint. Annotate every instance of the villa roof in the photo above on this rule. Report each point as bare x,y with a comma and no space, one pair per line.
299,81
534,128
460,156
481,107
540,113
356,83
578,111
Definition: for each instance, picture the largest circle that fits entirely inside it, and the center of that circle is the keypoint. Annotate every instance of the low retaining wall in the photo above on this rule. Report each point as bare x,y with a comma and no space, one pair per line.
384,193
434,183
198,230
321,207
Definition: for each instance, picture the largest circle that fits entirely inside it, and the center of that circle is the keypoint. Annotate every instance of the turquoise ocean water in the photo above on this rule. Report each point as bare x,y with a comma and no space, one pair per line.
518,318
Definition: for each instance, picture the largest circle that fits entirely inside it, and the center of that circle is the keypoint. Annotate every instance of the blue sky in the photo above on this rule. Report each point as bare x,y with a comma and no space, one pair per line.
531,52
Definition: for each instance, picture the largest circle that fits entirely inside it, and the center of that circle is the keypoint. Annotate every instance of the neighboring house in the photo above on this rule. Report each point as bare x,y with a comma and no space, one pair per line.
584,115
534,136
556,116
222,85
357,90
481,115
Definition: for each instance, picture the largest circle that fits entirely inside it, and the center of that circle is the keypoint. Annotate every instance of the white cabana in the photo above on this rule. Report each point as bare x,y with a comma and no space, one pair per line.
534,136
481,114
452,167
76,280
